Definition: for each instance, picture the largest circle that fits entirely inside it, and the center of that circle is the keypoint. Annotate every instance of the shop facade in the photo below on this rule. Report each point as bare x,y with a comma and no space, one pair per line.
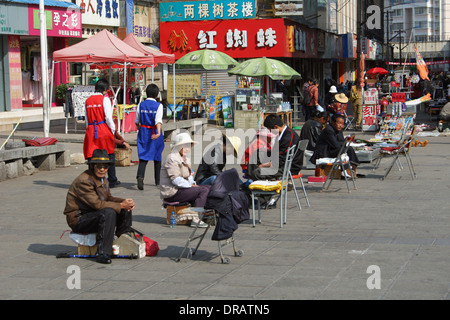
21,86
280,38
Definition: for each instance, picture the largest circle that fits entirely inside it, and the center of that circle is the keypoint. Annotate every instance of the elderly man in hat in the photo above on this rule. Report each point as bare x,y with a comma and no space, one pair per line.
90,207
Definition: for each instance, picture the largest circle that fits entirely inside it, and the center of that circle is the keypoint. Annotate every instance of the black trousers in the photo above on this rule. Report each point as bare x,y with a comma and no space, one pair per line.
143,165
112,178
105,223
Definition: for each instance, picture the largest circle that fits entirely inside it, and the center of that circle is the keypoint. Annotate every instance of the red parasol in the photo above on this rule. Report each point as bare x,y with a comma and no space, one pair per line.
377,70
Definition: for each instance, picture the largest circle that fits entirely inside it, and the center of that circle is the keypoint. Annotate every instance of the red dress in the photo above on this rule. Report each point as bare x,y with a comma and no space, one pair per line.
98,134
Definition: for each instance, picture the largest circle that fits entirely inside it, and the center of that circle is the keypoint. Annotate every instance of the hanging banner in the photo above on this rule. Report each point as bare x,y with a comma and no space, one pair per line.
15,74
141,23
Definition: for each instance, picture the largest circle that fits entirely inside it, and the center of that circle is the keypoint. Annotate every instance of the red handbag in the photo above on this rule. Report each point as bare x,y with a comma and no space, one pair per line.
151,246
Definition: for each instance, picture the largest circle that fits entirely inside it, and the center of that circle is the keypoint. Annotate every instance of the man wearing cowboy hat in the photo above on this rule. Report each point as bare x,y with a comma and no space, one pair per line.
90,207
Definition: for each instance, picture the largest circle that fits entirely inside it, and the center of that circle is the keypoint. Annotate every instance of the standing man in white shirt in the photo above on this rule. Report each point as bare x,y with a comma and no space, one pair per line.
150,140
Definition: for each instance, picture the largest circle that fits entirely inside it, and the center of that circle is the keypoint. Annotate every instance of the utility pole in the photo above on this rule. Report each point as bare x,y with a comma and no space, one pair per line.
359,35
44,64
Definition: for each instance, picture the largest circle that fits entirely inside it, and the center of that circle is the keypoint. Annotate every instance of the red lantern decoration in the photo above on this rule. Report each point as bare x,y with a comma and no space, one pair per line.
384,103
393,84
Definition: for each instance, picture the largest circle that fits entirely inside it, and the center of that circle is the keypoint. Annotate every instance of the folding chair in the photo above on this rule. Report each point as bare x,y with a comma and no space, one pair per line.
210,218
339,164
282,192
301,148
395,152
225,184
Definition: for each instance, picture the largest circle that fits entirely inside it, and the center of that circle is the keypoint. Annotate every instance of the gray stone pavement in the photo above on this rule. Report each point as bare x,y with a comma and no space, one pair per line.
395,231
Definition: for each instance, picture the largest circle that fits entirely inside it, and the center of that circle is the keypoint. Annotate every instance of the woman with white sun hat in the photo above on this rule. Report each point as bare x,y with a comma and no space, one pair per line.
177,182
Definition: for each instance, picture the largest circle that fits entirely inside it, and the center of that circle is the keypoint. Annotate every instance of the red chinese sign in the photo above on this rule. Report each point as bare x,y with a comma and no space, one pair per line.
60,22
237,38
398,96
370,117
15,75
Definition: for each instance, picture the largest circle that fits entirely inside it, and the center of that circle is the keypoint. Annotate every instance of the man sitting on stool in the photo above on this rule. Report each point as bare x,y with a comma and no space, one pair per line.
331,140
90,208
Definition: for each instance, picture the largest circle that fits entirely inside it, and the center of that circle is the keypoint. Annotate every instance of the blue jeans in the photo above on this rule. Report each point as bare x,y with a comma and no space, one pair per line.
208,181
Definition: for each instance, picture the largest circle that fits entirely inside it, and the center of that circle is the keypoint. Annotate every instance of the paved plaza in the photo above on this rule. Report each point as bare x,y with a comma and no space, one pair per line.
386,240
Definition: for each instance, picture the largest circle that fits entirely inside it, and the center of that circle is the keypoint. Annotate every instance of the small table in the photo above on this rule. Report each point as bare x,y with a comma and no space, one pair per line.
285,115
191,102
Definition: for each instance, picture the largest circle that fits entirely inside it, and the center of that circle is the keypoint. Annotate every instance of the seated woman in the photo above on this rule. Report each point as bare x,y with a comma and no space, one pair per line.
331,140
177,183
214,159
257,152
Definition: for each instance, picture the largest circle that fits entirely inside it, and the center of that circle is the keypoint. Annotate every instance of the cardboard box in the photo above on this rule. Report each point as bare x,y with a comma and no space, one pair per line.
123,157
324,170
129,246
87,251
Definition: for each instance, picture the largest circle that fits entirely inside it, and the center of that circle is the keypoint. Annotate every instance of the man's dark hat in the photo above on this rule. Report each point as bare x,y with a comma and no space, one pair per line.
100,156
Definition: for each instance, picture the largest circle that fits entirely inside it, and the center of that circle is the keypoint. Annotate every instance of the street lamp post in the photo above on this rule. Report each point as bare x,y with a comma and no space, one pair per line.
44,65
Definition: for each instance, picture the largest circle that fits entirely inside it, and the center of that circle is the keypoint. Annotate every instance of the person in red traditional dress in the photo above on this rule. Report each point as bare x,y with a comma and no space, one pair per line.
100,127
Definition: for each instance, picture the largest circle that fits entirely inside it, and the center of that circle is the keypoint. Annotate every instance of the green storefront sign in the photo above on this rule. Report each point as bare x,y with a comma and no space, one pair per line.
13,19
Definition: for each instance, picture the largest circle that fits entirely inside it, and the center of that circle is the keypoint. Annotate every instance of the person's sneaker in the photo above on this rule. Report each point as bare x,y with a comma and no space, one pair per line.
201,224
140,183
345,174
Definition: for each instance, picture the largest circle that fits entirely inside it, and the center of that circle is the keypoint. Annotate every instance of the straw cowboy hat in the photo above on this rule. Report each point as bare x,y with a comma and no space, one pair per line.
265,133
235,142
100,156
182,138
341,97
333,89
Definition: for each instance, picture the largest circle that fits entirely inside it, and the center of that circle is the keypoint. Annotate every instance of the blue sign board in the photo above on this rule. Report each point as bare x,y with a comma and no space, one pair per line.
207,10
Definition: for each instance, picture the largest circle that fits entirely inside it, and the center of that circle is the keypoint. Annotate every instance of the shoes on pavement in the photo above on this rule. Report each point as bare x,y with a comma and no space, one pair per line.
103,258
140,183
113,185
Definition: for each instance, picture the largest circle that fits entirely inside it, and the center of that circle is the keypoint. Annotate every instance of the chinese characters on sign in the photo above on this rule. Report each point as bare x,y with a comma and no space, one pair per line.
238,38
60,22
371,96
206,10
15,74
141,23
370,117
100,12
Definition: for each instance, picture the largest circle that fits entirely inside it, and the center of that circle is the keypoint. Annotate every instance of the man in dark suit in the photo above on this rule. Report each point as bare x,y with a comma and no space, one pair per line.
285,139
312,128
331,140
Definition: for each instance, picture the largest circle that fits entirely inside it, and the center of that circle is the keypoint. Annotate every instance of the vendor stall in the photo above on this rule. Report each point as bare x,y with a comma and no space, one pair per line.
251,105
107,51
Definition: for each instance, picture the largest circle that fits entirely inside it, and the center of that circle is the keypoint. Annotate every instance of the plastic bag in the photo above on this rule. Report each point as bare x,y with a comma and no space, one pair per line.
84,239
